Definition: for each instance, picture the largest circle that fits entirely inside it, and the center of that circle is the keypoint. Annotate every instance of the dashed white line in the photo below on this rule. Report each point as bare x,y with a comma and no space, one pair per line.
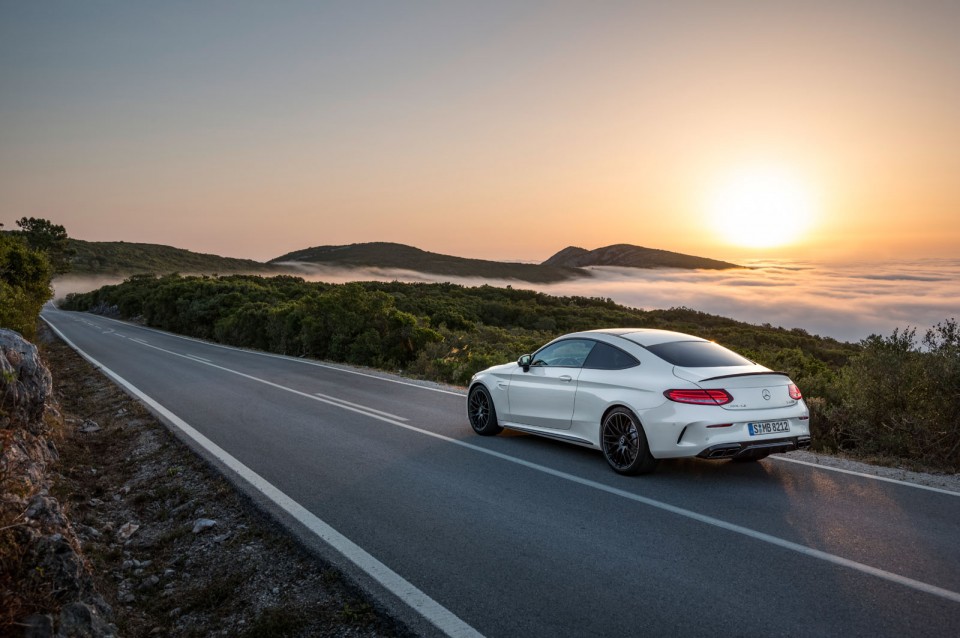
679,511
362,407
438,615
826,468
273,355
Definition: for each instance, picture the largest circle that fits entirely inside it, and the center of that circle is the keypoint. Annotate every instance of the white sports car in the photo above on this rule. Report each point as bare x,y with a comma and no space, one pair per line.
642,395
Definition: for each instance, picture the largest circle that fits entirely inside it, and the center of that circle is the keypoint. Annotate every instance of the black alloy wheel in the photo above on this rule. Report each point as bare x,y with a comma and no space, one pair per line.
481,412
625,444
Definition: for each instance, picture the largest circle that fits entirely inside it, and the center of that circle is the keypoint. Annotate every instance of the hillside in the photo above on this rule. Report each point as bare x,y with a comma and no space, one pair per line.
125,258
391,255
632,256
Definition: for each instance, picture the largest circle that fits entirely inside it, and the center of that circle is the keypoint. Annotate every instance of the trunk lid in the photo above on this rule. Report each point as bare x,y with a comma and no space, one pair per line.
752,387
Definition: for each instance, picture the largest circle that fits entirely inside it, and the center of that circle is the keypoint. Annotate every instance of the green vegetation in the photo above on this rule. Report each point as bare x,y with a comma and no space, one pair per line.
900,398
884,397
124,258
25,275
390,255
49,238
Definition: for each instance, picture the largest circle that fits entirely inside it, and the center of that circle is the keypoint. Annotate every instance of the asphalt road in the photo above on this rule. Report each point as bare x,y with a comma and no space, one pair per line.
519,536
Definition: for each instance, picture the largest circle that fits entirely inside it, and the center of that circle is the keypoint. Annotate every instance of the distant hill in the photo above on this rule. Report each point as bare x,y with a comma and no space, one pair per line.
401,256
125,258
633,257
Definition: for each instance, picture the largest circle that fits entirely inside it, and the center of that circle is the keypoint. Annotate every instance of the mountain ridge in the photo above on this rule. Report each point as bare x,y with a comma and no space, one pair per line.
405,257
632,256
128,258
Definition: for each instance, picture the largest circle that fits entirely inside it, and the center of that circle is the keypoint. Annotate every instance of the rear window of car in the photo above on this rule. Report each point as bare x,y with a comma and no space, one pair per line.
697,354
606,357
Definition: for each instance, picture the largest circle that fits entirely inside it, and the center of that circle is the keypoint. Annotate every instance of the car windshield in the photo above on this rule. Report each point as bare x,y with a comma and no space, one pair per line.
697,354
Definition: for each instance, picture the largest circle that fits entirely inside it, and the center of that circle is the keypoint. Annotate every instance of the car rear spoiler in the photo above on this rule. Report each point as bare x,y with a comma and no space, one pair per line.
743,374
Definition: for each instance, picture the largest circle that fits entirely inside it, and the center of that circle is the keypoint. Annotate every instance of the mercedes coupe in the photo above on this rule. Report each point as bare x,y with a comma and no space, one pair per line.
642,395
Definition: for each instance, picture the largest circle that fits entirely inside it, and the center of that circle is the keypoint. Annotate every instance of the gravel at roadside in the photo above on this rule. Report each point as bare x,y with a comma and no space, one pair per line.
177,551
173,547
950,482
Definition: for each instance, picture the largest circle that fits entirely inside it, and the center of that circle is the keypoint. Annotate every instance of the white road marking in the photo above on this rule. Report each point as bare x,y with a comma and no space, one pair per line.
193,356
441,617
865,475
357,405
339,403
679,511
415,385
273,355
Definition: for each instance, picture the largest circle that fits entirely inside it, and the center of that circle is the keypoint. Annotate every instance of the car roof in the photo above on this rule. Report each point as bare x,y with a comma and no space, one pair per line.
646,336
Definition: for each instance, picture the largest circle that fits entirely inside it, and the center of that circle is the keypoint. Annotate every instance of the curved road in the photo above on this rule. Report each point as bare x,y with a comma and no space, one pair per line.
518,536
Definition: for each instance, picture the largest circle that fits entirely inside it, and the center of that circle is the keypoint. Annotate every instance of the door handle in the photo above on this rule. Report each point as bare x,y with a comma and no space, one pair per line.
566,378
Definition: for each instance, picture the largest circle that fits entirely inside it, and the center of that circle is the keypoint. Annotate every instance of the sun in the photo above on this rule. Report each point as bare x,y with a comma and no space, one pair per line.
761,207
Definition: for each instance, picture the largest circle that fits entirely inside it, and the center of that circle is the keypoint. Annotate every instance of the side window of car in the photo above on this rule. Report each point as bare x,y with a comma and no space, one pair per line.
607,357
569,353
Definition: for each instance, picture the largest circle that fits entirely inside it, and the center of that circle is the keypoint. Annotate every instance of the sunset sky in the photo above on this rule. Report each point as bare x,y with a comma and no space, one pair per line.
500,130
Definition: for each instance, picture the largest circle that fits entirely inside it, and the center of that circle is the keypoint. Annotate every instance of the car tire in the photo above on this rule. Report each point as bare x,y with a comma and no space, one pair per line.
481,412
624,443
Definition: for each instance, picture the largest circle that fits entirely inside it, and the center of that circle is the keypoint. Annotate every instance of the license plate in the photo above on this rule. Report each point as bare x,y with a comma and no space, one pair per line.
768,427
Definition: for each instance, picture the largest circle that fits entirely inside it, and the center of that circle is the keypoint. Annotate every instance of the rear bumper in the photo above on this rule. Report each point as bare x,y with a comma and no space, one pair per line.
765,446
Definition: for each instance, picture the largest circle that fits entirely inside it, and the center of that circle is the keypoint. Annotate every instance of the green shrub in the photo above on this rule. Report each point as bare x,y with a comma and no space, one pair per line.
24,284
901,398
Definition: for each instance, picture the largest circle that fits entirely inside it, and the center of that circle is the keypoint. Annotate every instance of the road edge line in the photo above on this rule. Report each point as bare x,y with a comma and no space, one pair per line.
274,355
435,613
865,475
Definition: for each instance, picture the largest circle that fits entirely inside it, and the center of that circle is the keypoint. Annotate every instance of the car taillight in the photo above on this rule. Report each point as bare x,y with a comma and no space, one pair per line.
795,392
699,397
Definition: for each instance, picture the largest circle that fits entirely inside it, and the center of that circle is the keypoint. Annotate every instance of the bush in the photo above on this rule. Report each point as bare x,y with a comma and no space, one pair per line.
24,285
901,398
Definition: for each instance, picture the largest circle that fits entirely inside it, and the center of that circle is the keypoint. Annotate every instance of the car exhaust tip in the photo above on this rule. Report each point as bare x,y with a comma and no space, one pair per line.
744,450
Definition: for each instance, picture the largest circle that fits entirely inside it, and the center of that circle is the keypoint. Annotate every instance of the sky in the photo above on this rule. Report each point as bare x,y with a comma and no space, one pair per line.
497,130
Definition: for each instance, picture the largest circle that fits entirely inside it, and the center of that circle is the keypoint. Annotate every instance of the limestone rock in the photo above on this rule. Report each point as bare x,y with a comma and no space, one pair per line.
202,524
25,383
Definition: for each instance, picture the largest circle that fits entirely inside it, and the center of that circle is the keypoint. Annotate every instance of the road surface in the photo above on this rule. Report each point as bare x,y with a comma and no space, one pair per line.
514,535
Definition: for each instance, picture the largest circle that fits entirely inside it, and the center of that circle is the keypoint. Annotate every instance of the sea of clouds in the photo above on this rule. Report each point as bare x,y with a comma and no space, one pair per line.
847,301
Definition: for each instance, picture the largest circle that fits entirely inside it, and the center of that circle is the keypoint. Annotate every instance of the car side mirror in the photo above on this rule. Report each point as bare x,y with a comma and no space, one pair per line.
524,362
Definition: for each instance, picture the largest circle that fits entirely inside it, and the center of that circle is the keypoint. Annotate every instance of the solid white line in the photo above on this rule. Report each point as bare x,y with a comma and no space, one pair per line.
679,511
357,405
434,612
339,403
273,355
193,356
865,475
415,385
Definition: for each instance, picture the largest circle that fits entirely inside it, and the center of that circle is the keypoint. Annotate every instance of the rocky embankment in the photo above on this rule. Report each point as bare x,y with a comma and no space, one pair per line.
47,587
120,529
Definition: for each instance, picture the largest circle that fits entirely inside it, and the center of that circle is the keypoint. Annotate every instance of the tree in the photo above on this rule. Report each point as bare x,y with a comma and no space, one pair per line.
45,236
24,284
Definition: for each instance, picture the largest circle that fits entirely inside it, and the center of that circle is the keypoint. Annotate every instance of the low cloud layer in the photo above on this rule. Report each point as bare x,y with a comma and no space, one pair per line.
845,301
